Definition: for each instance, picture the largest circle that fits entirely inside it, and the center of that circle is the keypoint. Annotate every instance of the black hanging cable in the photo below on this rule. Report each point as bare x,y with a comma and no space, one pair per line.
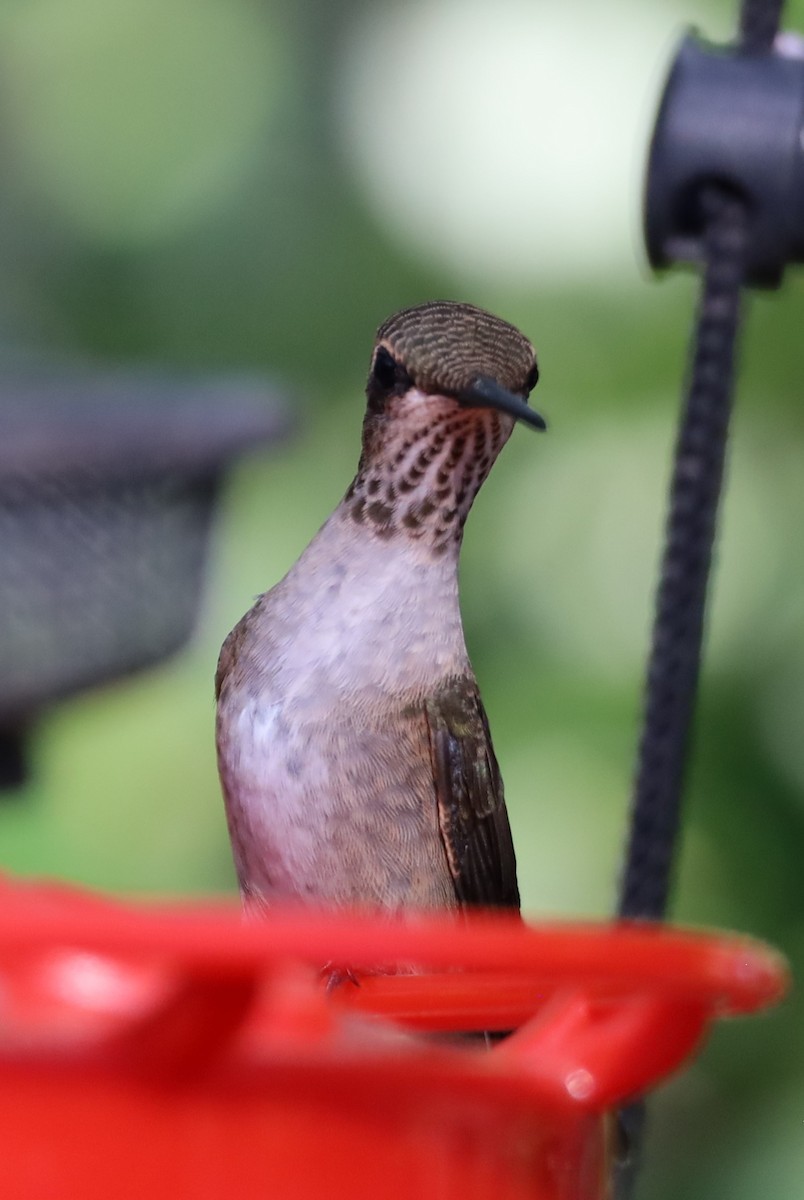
674,661
678,627
759,24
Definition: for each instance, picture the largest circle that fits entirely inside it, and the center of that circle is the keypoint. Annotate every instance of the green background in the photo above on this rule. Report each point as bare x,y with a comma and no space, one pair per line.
220,183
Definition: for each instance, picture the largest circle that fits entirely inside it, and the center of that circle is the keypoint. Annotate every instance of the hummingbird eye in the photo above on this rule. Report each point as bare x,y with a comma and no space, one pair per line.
384,374
387,376
532,378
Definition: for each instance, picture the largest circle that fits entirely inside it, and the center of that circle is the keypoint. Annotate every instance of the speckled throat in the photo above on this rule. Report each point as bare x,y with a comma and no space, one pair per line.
424,482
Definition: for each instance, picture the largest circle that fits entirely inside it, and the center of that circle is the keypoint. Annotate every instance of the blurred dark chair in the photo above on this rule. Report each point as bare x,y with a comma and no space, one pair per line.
107,487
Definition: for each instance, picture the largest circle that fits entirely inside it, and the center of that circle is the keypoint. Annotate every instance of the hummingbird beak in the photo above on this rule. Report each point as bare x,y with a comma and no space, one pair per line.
485,392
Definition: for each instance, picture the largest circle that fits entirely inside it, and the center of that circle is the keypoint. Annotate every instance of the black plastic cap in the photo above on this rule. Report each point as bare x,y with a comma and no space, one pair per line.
737,120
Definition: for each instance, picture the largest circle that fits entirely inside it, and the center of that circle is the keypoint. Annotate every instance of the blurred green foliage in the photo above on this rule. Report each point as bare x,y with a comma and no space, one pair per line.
180,187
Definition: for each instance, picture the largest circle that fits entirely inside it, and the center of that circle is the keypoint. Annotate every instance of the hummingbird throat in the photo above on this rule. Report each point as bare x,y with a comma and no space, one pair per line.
418,478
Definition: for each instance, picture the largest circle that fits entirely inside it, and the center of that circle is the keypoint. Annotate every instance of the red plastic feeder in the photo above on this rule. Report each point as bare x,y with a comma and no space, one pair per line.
181,1052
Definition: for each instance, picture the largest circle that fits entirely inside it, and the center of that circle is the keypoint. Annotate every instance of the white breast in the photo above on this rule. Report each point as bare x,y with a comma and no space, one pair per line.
358,611
359,629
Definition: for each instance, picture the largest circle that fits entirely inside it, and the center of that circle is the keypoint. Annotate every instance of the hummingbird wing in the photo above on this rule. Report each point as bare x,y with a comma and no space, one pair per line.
471,806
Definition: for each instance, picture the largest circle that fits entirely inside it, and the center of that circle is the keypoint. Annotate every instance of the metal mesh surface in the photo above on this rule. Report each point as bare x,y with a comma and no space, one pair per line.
95,582
107,486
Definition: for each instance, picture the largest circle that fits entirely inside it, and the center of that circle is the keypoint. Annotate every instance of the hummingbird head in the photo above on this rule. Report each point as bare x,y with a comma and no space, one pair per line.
447,383
450,350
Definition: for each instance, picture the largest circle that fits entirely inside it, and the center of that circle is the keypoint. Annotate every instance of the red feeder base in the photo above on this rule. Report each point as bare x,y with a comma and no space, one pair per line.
180,1052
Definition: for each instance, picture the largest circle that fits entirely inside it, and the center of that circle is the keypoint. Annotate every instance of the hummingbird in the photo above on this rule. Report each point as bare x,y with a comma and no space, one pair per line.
354,751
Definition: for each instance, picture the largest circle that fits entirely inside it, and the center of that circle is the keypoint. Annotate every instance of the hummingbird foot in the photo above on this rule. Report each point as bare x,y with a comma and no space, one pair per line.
336,976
